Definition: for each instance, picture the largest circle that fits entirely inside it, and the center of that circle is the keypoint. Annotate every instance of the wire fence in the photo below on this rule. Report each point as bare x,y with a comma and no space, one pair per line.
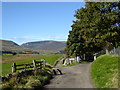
115,51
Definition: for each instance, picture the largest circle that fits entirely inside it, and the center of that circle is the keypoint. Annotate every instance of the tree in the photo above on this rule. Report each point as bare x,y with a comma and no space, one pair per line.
14,53
97,27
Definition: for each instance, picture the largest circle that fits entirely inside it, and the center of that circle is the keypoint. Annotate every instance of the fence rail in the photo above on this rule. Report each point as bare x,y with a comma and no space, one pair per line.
25,69
34,65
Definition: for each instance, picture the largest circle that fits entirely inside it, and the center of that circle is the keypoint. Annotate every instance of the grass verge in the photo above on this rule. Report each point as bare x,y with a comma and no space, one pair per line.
37,80
105,72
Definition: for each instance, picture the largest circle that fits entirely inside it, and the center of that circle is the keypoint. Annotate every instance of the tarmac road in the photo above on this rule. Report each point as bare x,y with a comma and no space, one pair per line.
77,76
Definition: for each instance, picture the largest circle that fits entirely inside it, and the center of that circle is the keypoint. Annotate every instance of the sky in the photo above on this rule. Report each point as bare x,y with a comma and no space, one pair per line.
37,21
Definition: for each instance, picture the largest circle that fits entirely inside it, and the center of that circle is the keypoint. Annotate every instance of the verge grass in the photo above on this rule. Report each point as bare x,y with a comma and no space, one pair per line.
105,72
6,66
33,80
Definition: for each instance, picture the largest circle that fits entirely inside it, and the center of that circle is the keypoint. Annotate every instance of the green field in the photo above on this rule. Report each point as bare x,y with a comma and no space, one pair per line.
24,59
104,71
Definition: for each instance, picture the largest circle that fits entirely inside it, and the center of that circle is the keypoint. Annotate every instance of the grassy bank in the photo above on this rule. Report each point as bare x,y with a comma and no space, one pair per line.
33,80
104,71
6,66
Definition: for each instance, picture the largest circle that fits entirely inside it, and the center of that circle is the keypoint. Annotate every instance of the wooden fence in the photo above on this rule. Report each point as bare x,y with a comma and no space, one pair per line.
34,65
29,68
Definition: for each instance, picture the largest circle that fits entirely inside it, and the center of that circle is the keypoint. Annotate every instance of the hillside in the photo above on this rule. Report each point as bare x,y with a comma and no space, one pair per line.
42,47
46,45
10,46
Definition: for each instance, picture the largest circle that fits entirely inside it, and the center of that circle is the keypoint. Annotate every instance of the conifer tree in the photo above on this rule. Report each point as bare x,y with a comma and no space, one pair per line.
96,28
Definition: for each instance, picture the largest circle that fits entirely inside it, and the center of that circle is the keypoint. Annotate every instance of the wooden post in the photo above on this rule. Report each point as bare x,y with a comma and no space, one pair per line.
54,72
59,71
114,50
34,64
14,67
106,51
78,59
70,62
65,62
84,56
43,61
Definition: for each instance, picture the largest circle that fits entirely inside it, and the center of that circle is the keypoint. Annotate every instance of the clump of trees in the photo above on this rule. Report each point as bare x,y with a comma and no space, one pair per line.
18,52
97,27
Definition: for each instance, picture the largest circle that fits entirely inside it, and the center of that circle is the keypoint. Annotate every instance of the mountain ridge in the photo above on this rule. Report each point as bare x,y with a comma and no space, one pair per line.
46,46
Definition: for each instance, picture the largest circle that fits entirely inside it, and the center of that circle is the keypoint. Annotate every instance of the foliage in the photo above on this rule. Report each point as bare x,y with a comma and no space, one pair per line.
104,71
97,27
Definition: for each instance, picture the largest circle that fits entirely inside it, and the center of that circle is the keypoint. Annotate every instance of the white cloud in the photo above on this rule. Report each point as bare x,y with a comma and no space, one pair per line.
50,37
56,37
22,38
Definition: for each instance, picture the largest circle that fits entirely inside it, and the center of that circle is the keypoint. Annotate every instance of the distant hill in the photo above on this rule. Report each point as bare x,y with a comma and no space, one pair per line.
10,47
41,47
46,45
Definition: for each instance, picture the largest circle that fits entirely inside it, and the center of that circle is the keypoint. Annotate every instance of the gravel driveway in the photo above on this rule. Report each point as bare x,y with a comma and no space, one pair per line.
77,76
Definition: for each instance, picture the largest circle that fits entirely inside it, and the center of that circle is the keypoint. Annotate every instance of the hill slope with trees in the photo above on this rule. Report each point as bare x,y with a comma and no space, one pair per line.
46,45
40,47
10,47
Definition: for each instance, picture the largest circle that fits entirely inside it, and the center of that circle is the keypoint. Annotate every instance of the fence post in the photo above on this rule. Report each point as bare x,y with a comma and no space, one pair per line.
70,61
34,64
78,59
43,61
114,51
84,56
14,67
95,57
106,51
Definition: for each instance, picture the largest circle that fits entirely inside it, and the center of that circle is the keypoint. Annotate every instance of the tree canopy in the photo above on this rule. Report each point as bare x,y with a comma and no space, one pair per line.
97,27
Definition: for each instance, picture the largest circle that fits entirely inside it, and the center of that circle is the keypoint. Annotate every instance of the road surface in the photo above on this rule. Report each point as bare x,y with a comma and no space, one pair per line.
77,76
